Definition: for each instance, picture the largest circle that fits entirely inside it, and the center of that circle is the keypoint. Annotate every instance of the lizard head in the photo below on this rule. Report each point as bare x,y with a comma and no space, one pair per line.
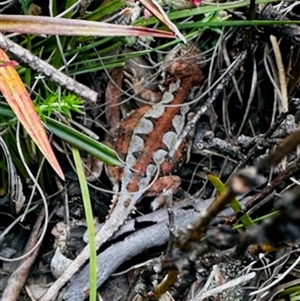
184,60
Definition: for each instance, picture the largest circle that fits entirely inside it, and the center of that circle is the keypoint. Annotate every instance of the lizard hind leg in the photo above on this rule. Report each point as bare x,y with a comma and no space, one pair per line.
162,184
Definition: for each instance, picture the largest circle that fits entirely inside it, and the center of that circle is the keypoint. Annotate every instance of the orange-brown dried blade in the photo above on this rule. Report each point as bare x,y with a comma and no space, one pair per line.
74,27
19,100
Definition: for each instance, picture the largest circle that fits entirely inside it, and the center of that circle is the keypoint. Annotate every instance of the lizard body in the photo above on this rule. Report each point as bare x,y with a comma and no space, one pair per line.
146,140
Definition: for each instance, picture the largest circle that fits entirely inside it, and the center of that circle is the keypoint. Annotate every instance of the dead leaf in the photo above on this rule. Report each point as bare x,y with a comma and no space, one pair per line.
19,100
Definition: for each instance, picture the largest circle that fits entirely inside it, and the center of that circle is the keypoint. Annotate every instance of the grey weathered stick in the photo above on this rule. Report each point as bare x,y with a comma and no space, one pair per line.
109,260
27,58
156,235
153,236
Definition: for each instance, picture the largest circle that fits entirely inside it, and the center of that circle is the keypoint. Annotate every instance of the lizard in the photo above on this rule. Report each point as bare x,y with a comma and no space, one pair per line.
146,141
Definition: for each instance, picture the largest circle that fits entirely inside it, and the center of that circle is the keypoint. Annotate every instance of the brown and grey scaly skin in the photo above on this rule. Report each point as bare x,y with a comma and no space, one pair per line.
144,141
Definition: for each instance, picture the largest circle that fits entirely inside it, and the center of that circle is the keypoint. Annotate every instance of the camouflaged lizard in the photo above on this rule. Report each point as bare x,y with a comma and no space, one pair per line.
146,141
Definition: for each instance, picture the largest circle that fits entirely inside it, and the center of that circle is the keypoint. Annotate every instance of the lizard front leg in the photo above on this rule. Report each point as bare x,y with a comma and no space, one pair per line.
132,80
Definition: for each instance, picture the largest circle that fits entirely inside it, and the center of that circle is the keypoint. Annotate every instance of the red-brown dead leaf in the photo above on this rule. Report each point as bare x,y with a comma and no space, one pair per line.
113,98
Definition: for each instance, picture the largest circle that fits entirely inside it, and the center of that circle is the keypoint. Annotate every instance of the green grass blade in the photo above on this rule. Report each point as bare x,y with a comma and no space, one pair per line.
74,137
187,13
105,10
83,142
235,204
234,23
89,221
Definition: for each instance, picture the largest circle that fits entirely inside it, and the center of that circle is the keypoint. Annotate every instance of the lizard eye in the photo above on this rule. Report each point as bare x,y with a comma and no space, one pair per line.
169,75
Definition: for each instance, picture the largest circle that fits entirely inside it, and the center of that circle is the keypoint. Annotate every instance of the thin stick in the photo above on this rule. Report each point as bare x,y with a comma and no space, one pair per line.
26,57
